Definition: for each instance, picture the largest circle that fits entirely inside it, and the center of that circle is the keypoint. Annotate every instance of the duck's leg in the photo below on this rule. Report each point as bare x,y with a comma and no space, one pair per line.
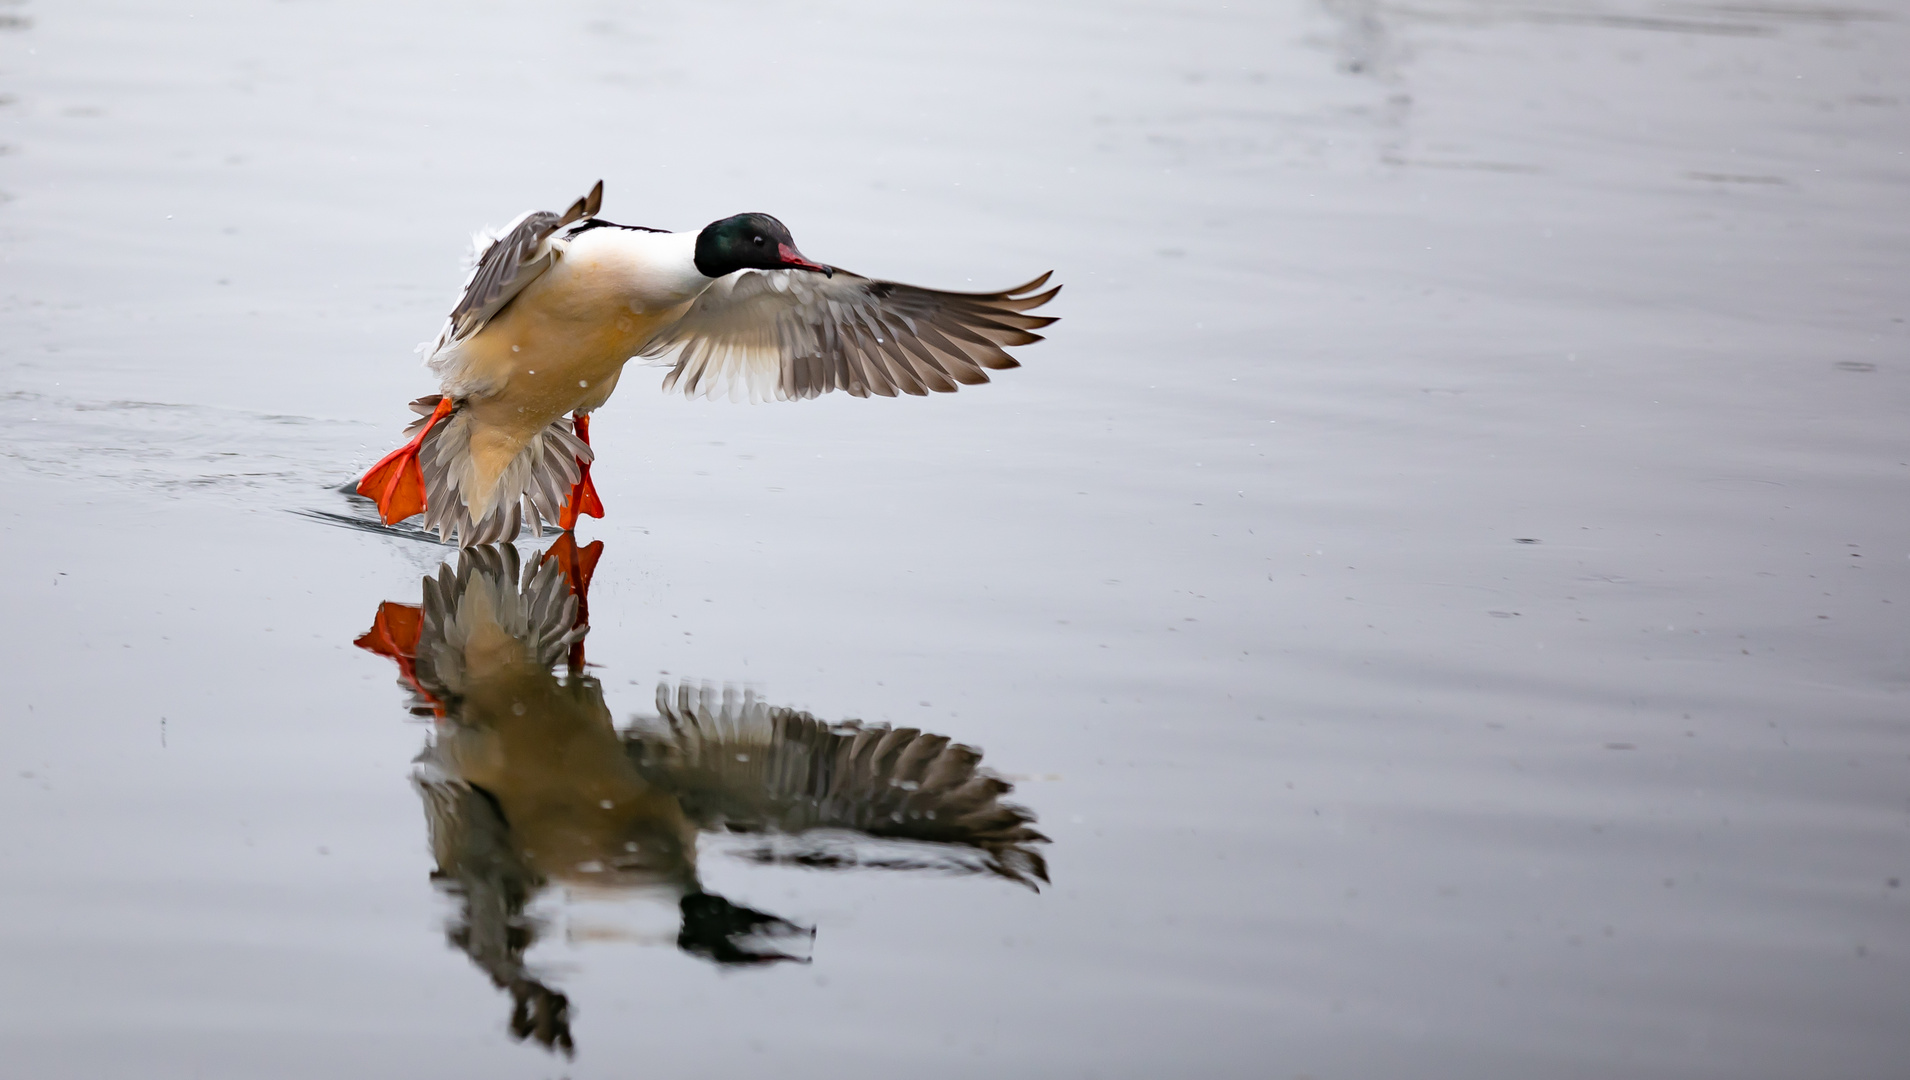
396,483
583,494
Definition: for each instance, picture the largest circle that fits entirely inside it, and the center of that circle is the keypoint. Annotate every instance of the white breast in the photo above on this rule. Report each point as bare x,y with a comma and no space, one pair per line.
651,271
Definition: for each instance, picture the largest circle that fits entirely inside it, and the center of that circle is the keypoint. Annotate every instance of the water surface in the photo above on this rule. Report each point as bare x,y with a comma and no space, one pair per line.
1438,591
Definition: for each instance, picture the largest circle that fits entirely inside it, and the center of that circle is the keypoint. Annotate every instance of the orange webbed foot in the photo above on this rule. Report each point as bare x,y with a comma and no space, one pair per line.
396,483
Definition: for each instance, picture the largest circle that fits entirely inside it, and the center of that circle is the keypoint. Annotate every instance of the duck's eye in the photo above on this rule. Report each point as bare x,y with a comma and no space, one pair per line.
759,241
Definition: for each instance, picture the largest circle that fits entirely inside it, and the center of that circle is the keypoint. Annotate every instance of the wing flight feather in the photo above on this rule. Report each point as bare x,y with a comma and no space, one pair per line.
783,334
738,765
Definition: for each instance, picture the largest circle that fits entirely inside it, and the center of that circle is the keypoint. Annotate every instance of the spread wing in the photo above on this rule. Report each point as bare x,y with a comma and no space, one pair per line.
785,334
508,263
737,764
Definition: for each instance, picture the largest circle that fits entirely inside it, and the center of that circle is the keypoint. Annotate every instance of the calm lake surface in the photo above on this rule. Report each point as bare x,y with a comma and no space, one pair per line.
1440,591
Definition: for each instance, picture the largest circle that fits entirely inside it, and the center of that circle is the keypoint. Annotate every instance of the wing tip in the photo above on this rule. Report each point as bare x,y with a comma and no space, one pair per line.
585,207
1032,302
1032,285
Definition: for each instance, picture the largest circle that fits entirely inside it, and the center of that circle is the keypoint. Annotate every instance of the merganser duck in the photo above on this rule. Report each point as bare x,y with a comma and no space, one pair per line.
527,782
556,304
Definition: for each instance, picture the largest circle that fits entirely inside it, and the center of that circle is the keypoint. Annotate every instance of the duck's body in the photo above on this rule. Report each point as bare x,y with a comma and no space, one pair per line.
560,344
554,350
555,307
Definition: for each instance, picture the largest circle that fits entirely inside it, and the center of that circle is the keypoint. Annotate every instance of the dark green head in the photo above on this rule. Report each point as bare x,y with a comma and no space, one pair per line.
749,242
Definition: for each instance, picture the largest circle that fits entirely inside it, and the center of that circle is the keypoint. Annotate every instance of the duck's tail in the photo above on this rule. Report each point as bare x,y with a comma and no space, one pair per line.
434,474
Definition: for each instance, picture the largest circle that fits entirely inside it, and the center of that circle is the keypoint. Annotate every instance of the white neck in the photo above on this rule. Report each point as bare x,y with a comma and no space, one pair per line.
654,270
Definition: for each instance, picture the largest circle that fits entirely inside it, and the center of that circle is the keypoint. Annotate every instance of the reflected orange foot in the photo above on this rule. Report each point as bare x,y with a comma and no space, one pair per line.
583,501
396,483
394,633
577,563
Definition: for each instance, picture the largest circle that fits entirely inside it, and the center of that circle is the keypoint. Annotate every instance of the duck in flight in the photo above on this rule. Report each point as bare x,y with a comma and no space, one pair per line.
558,303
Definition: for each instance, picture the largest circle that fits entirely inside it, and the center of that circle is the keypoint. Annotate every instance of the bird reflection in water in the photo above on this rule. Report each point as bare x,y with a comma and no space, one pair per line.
527,782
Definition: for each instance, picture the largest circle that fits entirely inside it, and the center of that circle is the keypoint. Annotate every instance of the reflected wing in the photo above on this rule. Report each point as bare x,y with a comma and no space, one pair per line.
786,334
508,263
738,764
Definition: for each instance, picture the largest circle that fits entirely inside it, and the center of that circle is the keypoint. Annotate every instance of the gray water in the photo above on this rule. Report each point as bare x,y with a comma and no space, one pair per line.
1440,589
